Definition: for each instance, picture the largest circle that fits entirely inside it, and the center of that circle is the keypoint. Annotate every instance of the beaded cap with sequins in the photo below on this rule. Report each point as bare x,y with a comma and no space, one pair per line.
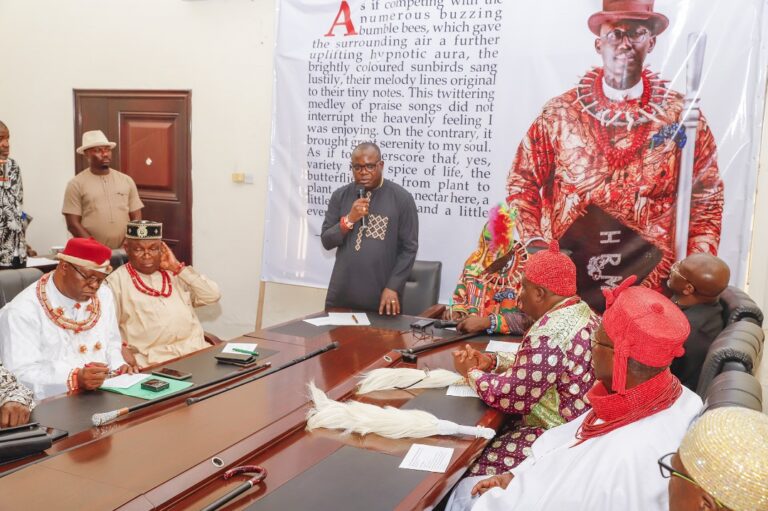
726,452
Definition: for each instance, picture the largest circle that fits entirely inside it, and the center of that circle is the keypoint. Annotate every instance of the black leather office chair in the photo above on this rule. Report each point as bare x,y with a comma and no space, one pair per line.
734,388
119,258
13,282
738,306
737,347
422,288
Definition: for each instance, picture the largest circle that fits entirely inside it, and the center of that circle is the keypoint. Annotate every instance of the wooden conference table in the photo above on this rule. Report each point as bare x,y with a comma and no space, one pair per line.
172,456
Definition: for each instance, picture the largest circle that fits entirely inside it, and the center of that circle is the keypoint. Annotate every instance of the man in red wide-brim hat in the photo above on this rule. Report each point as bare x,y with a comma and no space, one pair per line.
60,334
597,168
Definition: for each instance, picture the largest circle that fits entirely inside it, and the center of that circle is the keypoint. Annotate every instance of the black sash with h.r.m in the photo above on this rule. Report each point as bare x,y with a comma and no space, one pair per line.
605,252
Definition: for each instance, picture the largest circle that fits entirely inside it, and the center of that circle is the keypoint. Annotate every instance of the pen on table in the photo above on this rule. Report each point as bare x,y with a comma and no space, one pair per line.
246,352
354,318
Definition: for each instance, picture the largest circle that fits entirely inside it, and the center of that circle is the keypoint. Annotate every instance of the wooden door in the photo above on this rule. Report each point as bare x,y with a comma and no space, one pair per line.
152,132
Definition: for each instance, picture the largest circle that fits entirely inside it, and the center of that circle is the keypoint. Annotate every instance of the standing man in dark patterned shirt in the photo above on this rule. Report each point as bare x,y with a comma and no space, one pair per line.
372,262
13,246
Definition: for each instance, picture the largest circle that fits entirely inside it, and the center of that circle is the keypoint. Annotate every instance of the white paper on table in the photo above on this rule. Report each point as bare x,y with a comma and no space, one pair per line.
427,458
124,381
318,321
504,347
452,328
461,391
348,319
40,261
247,346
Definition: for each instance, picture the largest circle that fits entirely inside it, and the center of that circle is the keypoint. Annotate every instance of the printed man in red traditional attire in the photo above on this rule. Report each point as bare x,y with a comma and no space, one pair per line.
598,167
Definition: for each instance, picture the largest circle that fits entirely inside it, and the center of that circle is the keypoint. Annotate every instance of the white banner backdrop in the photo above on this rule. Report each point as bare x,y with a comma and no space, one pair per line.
449,88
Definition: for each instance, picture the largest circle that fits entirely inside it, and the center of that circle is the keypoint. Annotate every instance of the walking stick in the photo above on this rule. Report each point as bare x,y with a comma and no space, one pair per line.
99,419
261,474
411,354
697,43
327,347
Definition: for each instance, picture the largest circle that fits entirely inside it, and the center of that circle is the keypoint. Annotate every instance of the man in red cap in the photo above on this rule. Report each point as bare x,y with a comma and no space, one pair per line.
60,334
597,169
640,411
545,382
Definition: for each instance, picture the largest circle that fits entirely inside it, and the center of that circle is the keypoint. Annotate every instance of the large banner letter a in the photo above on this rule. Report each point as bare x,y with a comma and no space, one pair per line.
346,21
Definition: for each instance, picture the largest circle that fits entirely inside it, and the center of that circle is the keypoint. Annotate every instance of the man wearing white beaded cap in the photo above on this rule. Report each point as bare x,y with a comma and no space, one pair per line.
722,463
155,297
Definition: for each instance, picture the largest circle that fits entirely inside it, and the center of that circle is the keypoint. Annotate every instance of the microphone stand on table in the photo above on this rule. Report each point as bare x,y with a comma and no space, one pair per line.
410,355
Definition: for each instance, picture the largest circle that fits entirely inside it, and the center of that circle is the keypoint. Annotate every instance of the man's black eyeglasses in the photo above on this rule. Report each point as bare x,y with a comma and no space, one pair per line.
93,279
370,167
667,471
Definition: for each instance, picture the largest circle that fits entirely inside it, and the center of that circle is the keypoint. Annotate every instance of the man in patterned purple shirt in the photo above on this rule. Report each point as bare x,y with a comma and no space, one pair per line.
545,382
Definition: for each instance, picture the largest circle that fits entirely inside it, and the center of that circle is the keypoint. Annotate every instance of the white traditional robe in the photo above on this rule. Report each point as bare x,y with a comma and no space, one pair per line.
41,354
616,471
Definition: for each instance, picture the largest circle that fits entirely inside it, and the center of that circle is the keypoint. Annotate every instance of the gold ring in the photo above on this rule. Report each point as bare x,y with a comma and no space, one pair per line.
393,301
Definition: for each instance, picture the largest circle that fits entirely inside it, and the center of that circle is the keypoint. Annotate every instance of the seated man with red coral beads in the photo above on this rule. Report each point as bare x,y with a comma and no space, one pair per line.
155,296
60,334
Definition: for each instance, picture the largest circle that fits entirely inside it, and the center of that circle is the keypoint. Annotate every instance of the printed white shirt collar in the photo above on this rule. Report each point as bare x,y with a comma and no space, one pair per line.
633,92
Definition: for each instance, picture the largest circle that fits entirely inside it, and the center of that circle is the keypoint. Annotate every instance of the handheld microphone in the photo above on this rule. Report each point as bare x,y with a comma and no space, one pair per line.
361,195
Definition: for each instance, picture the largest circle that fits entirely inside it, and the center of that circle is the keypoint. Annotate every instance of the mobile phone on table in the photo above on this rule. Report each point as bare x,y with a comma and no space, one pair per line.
238,359
172,373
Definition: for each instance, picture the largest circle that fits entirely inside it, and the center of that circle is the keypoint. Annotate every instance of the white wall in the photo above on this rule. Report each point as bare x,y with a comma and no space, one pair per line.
757,272
220,50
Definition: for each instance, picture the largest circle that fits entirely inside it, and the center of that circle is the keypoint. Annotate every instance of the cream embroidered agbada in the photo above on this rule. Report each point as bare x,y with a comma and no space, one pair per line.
161,328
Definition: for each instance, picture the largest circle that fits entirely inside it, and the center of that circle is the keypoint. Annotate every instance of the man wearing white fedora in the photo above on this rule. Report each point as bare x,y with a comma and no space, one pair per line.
100,201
